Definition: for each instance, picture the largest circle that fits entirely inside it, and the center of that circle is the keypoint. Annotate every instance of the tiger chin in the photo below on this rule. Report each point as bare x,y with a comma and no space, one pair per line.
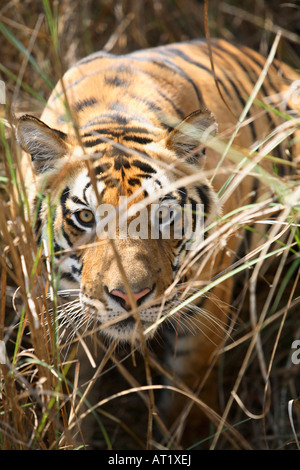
142,128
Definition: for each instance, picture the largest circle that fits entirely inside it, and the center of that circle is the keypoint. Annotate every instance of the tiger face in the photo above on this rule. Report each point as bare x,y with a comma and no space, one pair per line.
123,276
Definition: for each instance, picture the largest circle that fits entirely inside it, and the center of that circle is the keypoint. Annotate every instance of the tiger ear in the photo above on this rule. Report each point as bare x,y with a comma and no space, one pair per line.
188,138
43,143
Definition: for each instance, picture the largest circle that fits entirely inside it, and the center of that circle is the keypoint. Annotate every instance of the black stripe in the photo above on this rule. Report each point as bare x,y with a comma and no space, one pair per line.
93,143
177,110
169,196
137,139
115,81
250,71
178,243
85,103
119,133
116,131
68,276
66,237
121,162
143,166
203,192
151,105
133,181
77,271
76,256
70,222
63,199
114,116
76,200
179,71
238,94
182,194
178,52
85,190
65,213
256,59
99,169
146,176
253,75
194,212
120,116
38,222
92,57
171,66
104,131
112,135
58,250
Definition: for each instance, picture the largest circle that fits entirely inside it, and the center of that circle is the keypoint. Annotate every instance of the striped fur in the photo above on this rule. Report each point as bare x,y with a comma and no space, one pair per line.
133,126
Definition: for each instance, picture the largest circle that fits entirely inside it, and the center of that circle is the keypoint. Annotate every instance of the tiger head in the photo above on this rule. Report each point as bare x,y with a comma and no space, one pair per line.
119,181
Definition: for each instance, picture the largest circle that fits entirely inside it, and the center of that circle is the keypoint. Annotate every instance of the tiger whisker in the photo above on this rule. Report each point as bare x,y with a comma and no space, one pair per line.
191,315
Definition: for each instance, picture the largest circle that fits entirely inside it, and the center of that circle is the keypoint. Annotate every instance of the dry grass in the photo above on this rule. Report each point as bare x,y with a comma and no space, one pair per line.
40,406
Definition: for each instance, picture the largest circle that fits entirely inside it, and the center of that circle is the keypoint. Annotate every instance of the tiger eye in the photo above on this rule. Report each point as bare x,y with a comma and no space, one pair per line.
85,216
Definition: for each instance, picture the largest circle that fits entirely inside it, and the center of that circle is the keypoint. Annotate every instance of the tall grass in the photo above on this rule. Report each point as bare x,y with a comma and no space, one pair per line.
42,405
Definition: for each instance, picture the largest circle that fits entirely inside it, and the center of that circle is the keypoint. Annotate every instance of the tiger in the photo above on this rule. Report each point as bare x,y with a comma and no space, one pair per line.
150,127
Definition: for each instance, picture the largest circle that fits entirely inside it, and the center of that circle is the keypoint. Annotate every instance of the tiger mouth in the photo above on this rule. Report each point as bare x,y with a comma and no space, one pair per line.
127,330
125,326
131,322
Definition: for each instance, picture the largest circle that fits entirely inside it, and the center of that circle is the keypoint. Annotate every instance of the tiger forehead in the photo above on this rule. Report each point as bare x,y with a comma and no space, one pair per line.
126,175
107,178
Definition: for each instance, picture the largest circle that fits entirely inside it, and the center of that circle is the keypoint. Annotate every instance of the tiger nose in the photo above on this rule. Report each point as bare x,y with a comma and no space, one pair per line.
123,298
